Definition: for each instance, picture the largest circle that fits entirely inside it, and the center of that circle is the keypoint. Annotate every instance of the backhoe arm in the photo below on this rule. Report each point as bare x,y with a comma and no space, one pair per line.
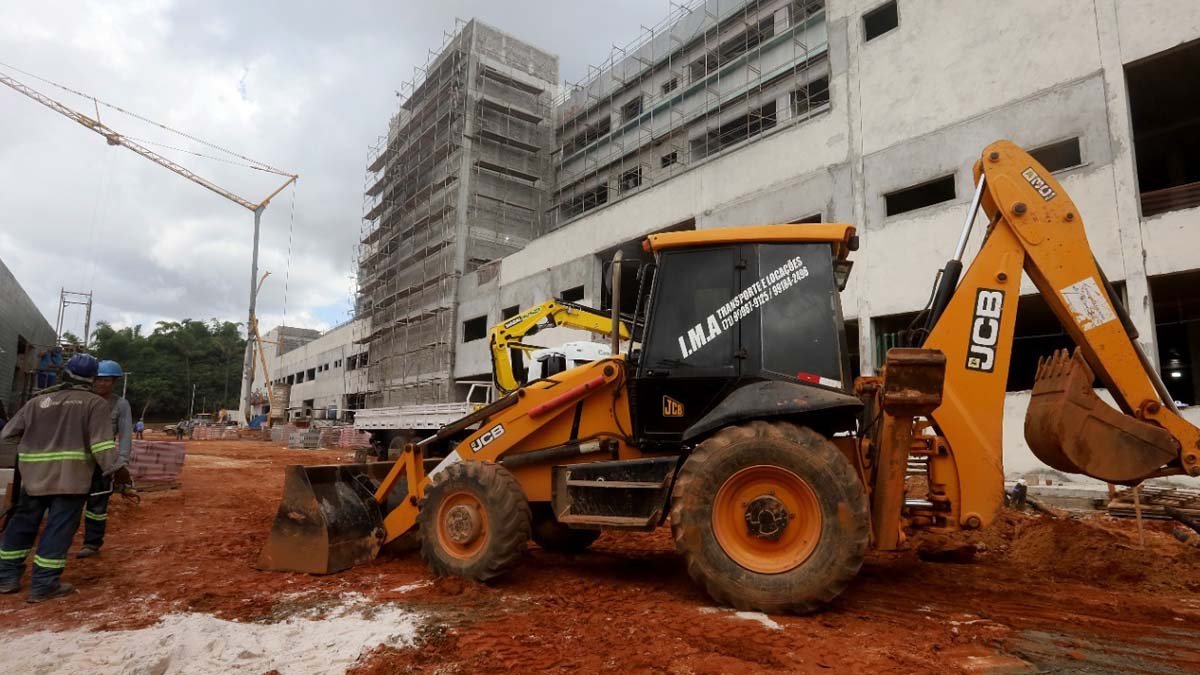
1036,228
508,336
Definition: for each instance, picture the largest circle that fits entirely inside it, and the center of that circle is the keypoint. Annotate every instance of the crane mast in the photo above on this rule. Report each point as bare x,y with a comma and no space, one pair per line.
113,137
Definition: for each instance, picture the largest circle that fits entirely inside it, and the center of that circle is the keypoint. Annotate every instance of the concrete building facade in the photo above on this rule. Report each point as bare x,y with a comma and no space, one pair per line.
24,334
883,110
315,371
460,180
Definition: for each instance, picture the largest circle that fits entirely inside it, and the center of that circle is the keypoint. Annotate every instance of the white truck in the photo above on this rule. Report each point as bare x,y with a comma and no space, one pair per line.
392,427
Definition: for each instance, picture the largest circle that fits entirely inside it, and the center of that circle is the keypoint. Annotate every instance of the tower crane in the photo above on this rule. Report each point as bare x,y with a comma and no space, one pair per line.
112,137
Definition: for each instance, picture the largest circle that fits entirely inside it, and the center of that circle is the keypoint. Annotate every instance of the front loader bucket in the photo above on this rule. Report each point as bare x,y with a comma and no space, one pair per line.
1072,429
328,519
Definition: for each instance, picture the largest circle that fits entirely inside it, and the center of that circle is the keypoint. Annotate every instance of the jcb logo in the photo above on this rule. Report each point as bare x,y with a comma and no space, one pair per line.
487,438
1039,184
985,330
671,407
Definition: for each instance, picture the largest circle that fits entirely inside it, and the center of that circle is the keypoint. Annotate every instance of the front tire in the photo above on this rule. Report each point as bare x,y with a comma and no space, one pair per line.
475,522
770,516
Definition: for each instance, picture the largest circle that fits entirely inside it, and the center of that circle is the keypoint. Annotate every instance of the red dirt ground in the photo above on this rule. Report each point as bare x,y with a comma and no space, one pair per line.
1041,594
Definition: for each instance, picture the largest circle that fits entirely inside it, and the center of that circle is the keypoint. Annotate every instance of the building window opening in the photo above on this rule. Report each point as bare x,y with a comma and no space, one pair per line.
851,350
895,330
572,294
510,312
1177,328
735,131
812,97
919,196
631,179
632,108
585,201
1059,156
590,133
629,285
880,20
312,374
1164,102
670,85
669,159
474,329
1038,333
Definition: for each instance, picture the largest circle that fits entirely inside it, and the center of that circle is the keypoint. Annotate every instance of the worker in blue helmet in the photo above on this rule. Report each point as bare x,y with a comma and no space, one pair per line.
64,434
95,512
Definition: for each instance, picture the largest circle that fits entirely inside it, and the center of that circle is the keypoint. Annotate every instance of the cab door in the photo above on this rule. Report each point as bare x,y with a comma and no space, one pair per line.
690,355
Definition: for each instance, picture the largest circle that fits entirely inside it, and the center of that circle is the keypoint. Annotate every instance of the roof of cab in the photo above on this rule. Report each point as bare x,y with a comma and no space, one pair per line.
840,235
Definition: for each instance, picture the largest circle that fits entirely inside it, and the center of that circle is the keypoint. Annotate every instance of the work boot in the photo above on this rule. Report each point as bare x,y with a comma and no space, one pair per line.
87,552
7,587
62,589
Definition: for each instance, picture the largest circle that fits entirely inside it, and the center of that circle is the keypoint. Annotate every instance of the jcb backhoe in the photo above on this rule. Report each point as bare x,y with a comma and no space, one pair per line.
735,419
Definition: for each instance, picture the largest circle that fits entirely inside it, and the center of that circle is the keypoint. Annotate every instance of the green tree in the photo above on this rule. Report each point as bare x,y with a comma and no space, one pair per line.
165,364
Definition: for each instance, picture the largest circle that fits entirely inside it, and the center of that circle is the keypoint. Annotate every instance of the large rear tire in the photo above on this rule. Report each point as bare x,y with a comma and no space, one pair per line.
475,522
770,516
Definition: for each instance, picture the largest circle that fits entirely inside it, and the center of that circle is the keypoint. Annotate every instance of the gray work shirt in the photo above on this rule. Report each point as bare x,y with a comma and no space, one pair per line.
122,421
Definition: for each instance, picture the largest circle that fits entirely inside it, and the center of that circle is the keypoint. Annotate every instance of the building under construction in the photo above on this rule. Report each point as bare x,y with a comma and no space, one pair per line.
461,179
737,112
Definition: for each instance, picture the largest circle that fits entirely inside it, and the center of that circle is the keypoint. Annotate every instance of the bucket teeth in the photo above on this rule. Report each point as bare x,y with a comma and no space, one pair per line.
1054,368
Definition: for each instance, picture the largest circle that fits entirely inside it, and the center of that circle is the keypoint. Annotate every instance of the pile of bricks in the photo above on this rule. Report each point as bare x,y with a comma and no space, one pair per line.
156,464
305,438
329,436
252,434
215,433
283,433
349,437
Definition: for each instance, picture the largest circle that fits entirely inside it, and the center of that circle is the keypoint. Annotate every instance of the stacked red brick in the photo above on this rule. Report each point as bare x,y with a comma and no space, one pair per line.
329,437
156,463
349,437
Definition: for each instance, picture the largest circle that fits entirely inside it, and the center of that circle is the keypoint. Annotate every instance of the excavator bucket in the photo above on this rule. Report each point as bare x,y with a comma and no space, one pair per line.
328,519
1070,428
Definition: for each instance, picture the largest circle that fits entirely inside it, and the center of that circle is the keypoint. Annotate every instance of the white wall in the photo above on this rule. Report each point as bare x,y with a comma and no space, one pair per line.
328,387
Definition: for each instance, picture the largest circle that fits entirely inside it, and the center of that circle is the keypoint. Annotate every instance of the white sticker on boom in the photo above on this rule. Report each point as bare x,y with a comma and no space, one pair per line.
1087,304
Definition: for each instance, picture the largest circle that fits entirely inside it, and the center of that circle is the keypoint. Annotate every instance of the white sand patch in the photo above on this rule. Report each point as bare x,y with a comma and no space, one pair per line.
203,644
411,587
765,620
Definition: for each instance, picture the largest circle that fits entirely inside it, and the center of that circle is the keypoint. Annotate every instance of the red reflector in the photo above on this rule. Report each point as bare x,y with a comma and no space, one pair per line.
808,377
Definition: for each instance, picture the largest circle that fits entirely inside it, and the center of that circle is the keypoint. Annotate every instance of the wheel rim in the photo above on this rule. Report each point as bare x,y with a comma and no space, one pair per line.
462,525
767,519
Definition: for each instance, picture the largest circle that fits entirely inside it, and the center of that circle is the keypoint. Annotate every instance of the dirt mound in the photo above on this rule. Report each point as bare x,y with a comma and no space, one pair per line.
1103,552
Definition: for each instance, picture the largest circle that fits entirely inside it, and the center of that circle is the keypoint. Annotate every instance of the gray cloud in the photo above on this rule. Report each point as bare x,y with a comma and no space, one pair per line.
303,86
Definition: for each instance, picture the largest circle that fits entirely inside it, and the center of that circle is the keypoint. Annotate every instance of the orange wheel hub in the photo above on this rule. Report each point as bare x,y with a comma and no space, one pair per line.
767,519
462,527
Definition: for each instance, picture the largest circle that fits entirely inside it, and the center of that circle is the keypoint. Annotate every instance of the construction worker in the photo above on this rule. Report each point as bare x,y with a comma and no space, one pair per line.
95,512
1019,493
139,428
64,433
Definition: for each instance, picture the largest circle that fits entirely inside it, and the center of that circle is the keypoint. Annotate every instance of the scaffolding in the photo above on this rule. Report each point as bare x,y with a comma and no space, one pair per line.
459,180
713,75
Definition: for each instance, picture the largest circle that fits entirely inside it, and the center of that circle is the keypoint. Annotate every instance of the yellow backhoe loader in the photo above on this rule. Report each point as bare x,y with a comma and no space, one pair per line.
507,339
733,417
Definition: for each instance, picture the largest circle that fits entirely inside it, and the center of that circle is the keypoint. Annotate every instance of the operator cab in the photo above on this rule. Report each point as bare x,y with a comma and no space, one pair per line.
554,360
742,310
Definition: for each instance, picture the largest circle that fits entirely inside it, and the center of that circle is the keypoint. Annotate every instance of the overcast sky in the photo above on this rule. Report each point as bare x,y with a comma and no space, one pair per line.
303,86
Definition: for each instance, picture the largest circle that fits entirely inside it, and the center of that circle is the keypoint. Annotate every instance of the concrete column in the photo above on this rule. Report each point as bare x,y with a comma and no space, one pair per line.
852,39
1125,186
